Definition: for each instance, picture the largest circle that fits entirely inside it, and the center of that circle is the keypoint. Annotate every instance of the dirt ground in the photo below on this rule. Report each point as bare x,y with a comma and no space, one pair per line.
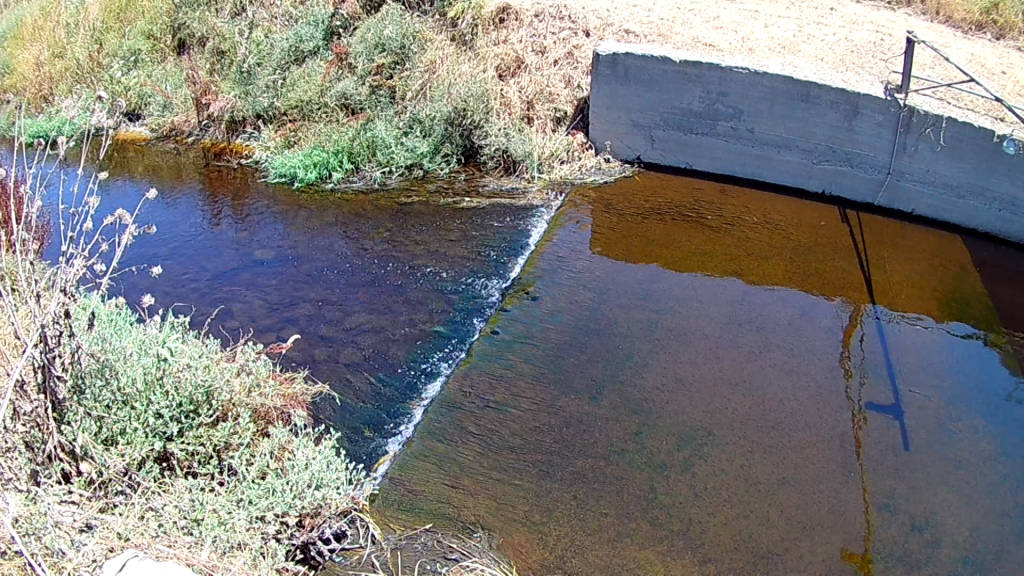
855,45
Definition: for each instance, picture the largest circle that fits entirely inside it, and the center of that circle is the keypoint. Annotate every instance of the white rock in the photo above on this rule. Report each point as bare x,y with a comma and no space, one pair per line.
134,563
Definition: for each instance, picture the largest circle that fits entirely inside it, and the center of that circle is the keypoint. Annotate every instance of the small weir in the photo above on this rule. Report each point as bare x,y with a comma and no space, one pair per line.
444,366
386,290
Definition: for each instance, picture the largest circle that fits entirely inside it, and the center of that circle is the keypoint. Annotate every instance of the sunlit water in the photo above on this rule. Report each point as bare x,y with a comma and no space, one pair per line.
386,291
692,378
688,378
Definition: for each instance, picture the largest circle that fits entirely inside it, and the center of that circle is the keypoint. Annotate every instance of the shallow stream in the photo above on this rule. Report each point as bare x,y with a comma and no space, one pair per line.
386,291
687,378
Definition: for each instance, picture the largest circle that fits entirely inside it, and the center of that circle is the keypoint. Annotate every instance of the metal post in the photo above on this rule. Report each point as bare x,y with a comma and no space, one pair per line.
908,63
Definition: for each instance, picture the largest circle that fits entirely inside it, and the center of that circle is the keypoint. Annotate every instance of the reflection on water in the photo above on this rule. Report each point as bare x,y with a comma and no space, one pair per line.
711,380
384,292
895,409
862,562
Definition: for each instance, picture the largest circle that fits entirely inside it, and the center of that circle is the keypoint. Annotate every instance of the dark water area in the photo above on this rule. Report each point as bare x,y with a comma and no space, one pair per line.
694,378
385,291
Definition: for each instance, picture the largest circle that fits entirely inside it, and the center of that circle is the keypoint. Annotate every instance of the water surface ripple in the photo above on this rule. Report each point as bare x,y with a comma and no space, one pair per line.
387,290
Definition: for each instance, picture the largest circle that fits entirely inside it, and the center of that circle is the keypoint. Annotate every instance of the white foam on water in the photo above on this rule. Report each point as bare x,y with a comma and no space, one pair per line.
494,291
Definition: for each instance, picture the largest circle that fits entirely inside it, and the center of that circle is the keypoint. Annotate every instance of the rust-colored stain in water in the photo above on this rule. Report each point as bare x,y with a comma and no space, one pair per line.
861,561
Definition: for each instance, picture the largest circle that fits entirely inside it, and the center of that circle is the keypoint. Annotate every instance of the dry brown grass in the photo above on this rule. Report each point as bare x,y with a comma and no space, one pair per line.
846,43
540,57
58,47
999,18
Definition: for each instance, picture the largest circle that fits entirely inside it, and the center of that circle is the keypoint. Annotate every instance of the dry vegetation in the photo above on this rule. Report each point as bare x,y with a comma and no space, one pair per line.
127,429
999,18
847,43
421,551
331,91
327,92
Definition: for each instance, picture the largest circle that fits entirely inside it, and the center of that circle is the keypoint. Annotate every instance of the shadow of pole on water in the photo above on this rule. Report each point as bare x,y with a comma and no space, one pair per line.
863,561
894,409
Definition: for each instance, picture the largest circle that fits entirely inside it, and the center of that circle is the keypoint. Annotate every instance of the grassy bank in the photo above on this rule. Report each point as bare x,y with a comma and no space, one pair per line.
328,91
122,428
165,443
343,91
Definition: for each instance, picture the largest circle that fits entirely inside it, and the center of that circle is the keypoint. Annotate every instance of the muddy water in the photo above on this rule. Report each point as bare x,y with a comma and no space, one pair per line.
386,292
692,378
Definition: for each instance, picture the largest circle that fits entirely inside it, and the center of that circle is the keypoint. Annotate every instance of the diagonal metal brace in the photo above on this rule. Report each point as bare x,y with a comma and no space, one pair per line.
908,65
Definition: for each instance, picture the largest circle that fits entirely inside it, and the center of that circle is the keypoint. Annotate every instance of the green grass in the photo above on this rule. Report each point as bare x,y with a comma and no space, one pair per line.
411,125
388,44
378,150
47,125
330,96
402,133
162,392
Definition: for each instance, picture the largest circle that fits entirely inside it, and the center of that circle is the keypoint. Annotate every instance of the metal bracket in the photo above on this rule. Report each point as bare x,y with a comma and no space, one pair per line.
908,75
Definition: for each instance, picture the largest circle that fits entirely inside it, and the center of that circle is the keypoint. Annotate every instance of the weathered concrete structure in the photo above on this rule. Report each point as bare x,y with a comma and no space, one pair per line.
657,106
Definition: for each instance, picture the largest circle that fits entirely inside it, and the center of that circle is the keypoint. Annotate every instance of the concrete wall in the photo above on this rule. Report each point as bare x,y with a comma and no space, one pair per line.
656,106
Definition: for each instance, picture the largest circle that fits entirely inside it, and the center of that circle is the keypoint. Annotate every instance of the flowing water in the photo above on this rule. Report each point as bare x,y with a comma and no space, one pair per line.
693,378
386,291
687,378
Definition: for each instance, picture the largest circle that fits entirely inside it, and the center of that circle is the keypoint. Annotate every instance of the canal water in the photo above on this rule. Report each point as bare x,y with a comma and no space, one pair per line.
694,378
687,377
